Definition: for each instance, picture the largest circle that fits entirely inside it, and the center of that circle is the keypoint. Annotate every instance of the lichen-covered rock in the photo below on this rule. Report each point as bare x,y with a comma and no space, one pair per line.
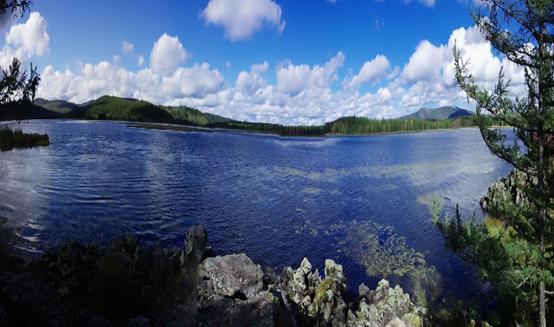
227,290
195,245
328,301
510,189
232,294
386,307
232,275
363,290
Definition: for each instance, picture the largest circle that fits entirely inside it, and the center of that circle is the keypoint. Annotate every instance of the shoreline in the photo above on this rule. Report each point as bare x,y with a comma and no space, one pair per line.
128,284
193,128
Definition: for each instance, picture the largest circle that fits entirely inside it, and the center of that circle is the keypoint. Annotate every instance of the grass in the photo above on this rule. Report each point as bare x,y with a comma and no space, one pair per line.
16,139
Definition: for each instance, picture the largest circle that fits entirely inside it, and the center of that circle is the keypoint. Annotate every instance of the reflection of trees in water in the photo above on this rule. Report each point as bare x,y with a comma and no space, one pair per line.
383,254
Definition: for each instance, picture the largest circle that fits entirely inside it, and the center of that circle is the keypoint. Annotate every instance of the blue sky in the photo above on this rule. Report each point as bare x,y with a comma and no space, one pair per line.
287,61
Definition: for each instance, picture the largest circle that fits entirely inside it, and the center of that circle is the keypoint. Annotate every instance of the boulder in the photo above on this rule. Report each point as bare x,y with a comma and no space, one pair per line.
195,245
234,276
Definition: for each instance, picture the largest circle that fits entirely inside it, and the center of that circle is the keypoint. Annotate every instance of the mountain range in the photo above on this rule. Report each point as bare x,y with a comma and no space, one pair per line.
445,112
116,108
134,110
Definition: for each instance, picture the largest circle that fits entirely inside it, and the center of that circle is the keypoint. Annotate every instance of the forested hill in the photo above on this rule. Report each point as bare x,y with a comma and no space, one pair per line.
125,109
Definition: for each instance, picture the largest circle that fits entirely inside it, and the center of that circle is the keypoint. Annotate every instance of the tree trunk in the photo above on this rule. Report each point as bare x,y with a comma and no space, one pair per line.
544,197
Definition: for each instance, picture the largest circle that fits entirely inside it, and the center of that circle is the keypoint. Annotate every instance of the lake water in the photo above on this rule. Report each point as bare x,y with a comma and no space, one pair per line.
277,199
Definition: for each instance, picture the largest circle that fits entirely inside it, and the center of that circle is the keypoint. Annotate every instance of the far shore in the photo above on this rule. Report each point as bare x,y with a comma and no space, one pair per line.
192,128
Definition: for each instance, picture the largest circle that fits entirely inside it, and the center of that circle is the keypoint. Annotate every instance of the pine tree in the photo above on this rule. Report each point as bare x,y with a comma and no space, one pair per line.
17,87
522,31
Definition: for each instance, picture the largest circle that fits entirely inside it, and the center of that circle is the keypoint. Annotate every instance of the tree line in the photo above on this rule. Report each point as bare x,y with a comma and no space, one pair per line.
350,126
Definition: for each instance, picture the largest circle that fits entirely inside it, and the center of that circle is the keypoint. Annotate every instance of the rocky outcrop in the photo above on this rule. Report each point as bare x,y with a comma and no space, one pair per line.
323,302
126,284
508,189
195,248
232,276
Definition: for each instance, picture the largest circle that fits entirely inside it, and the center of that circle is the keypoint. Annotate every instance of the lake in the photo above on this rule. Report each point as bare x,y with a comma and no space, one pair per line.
277,199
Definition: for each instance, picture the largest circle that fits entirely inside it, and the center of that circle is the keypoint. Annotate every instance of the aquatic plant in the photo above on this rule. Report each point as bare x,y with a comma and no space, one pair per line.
383,253
17,139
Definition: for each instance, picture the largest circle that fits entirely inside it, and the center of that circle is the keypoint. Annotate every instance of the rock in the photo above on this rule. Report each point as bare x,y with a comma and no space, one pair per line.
235,312
232,293
510,189
395,322
139,321
299,282
328,299
363,290
195,245
334,271
234,276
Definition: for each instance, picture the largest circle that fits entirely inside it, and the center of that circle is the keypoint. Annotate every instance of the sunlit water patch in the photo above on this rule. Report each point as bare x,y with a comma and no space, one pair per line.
361,201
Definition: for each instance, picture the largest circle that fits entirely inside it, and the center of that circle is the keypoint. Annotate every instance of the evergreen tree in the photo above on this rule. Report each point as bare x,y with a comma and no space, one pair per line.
17,87
518,260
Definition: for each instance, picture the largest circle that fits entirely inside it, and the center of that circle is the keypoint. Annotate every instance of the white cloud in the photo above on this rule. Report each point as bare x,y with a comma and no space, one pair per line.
242,18
127,47
140,60
427,3
292,93
167,54
425,63
252,81
293,79
371,71
196,82
27,39
93,81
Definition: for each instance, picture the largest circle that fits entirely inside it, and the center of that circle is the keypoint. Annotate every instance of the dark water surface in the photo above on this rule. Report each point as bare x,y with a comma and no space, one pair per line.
277,199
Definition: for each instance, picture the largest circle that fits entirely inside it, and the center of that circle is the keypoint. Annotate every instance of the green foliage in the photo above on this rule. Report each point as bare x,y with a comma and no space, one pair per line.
16,139
502,257
273,128
120,281
359,125
15,7
191,116
519,260
114,108
56,106
17,89
350,126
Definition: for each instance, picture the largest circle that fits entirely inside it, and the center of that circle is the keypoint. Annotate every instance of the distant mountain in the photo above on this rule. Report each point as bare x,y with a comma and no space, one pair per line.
446,112
57,106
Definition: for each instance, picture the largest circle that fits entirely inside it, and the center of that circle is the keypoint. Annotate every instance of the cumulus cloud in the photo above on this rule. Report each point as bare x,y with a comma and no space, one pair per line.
252,81
293,79
435,63
26,40
92,81
292,93
31,36
371,71
167,54
127,47
242,18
